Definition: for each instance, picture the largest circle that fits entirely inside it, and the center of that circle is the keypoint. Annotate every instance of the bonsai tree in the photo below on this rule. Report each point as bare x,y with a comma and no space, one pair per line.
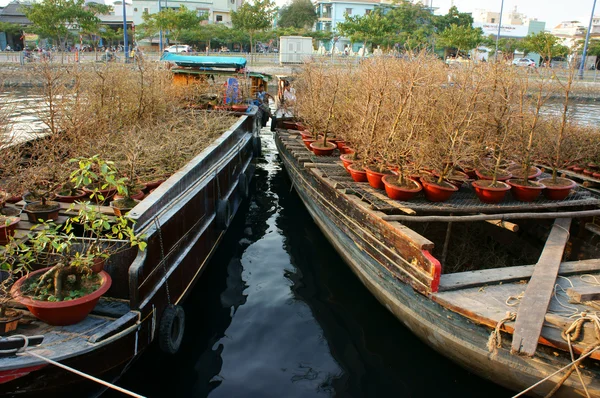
96,175
15,262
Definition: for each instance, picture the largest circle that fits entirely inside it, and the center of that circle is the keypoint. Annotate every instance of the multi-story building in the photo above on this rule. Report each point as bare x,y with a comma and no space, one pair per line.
332,12
572,32
217,11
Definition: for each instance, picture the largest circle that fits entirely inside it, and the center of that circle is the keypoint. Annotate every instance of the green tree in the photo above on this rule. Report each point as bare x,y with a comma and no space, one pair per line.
175,21
410,25
54,18
453,17
298,14
463,38
90,25
545,44
10,27
372,27
253,18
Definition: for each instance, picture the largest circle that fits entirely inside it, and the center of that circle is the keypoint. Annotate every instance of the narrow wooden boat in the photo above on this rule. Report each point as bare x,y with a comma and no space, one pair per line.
514,314
184,220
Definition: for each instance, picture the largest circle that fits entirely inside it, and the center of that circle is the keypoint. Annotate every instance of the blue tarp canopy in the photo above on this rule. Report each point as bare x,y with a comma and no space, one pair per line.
203,61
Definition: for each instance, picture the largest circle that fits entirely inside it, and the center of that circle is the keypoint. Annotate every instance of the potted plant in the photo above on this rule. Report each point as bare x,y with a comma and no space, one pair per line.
498,126
12,267
68,193
68,289
96,176
523,186
40,205
452,119
562,143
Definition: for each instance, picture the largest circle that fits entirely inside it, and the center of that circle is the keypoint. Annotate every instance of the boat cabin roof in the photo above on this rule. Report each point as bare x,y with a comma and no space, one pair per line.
203,61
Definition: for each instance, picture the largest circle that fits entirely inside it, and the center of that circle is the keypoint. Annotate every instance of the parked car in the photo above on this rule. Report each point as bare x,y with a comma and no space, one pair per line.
182,48
524,62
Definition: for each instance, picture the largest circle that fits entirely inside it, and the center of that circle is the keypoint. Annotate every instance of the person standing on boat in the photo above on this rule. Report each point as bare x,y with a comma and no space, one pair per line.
263,99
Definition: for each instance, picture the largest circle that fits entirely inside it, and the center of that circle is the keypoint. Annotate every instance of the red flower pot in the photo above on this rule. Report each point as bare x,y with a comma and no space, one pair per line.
525,193
138,195
346,160
596,175
308,141
239,108
358,175
557,191
502,175
489,194
340,144
374,178
435,192
577,169
8,230
152,184
319,150
588,172
306,135
396,192
517,172
81,195
60,313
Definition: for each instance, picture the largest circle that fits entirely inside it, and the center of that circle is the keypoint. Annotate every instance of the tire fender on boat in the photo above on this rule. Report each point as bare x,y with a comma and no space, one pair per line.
223,214
243,185
256,146
171,329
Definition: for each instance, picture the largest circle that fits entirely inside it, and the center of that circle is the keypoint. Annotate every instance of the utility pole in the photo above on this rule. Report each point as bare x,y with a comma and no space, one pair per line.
160,39
587,38
499,26
125,38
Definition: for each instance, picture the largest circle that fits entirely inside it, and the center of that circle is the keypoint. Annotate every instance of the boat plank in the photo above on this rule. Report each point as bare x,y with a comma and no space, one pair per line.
534,305
584,293
462,280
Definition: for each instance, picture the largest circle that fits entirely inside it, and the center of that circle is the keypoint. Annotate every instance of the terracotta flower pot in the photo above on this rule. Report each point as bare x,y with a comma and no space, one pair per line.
138,195
346,160
596,175
319,150
239,108
588,172
340,144
98,265
10,322
107,193
120,210
8,229
502,175
435,192
525,193
358,174
153,184
306,135
517,172
81,195
400,193
308,141
577,169
36,214
60,313
374,178
488,194
558,191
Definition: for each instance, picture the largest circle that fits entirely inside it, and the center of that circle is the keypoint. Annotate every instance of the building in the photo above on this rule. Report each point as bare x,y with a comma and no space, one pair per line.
217,11
13,14
332,12
573,32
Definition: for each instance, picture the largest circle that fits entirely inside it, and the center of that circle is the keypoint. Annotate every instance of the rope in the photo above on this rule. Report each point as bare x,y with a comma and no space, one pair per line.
77,372
85,375
162,257
495,340
582,357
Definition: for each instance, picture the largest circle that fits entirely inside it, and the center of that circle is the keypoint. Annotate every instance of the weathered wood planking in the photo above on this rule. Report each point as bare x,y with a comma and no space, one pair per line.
584,293
534,305
463,280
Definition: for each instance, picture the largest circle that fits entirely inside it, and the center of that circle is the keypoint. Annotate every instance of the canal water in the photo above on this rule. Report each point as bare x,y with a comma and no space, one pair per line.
279,314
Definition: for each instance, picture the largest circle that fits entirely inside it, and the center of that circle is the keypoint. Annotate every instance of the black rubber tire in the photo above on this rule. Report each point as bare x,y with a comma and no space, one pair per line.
223,214
256,146
243,185
171,329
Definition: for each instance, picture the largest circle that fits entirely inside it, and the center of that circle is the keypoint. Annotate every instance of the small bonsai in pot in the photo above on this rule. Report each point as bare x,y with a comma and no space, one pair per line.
96,176
40,205
12,267
67,289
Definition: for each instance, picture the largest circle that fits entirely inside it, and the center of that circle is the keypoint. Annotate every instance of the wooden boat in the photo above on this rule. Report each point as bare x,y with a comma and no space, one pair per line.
184,220
512,324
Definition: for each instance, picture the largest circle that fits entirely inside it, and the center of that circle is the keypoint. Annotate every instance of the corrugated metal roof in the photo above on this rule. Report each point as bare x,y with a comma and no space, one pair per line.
12,13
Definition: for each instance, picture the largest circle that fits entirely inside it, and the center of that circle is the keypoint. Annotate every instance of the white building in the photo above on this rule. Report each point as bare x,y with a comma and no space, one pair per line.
218,11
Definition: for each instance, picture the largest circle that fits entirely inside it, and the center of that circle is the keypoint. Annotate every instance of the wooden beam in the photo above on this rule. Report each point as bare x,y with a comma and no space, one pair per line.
534,304
468,279
582,294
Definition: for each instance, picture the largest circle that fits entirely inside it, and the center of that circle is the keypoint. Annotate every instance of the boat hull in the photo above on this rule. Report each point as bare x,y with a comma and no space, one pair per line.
447,332
183,228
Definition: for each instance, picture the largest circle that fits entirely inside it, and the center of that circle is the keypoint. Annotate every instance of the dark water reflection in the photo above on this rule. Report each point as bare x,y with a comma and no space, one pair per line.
278,314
